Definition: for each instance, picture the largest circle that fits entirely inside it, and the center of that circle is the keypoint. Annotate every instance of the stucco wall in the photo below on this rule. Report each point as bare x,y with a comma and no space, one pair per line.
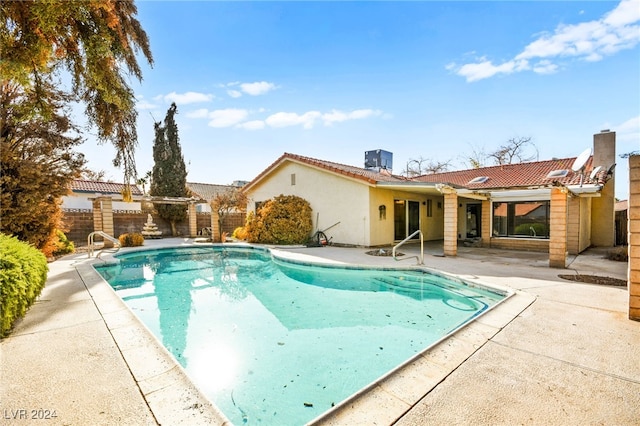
332,198
585,224
80,201
433,227
381,225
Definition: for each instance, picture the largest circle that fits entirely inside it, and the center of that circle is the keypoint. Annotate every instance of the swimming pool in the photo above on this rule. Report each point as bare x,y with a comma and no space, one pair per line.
276,341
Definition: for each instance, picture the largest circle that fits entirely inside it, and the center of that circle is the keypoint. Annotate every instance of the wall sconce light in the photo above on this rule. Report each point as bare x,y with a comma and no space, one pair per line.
382,210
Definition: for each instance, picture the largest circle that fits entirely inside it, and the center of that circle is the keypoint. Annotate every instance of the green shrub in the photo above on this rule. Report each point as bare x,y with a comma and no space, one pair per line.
23,274
240,233
285,219
131,240
63,245
525,229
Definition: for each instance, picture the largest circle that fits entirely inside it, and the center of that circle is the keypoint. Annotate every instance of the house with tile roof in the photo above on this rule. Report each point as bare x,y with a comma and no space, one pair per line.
555,206
207,191
83,192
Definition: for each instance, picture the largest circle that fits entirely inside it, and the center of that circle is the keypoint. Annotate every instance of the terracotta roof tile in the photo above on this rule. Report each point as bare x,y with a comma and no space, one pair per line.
370,176
532,174
102,187
515,175
208,191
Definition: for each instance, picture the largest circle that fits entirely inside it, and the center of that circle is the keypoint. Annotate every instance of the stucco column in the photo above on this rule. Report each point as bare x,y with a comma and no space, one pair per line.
558,229
450,224
215,226
193,221
633,215
485,233
107,219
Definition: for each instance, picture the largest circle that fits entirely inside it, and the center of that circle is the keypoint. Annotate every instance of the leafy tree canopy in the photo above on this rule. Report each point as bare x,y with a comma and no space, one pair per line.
38,162
95,41
169,174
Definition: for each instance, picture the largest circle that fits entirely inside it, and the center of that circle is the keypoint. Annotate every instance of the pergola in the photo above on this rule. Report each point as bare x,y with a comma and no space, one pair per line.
103,212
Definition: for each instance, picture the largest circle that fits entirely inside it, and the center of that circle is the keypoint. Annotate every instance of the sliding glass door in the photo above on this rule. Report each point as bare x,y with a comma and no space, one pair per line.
406,218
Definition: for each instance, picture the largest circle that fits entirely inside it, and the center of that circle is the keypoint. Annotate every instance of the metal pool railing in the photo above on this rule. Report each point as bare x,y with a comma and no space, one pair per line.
92,245
419,258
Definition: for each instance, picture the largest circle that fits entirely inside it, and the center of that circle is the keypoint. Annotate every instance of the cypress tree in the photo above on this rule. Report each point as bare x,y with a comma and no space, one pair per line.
169,174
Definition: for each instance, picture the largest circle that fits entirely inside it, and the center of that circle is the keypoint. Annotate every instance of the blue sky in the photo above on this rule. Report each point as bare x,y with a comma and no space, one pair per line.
432,80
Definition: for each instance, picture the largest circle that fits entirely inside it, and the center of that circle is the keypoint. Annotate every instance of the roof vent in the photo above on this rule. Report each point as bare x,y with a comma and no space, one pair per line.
557,173
479,179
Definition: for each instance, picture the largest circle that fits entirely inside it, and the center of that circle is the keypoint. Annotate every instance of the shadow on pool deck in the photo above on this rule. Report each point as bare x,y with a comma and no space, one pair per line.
558,352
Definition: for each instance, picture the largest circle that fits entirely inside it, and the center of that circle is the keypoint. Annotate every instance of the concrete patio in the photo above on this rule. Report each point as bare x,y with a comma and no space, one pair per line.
557,352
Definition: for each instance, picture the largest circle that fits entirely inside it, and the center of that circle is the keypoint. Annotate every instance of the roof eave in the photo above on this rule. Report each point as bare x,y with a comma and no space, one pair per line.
585,191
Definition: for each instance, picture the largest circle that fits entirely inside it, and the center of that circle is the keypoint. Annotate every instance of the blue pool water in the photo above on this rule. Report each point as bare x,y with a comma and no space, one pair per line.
275,342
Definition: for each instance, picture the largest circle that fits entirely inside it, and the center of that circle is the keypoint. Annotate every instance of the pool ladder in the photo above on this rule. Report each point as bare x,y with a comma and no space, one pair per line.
420,258
92,244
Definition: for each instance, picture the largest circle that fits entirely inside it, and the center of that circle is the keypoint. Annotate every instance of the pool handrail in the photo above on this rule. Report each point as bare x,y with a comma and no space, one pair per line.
419,258
92,246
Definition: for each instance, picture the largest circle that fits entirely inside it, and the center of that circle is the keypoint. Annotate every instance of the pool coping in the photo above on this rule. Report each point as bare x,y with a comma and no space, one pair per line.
173,398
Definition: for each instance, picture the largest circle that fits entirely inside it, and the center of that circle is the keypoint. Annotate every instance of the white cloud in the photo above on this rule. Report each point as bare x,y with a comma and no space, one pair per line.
309,118
235,117
336,116
187,98
142,104
629,131
252,125
627,12
589,41
545,67
198,113
257,88
486,69
227,117
236,89
286,119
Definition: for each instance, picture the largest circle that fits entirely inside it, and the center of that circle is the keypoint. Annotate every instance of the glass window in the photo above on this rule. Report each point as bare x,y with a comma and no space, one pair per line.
527,219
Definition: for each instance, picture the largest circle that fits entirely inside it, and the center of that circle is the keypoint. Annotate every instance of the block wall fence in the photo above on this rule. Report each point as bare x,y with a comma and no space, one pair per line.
79,223
633,274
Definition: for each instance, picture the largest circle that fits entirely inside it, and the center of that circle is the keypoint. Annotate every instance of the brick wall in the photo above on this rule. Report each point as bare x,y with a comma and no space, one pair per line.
634,238
450,224
79,223
573,225
486,223
558,228
232,221
526,244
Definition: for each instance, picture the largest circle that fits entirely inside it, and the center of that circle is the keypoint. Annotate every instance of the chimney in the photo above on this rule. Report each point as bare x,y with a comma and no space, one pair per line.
604,148
603,228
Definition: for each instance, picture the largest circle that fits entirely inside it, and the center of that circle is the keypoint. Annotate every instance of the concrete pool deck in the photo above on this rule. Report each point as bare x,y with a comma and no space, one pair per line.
557,352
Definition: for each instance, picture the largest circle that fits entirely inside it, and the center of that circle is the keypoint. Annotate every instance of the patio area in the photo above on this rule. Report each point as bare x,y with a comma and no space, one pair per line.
557,352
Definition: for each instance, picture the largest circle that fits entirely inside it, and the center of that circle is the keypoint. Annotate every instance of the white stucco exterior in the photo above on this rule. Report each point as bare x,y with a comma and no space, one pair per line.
332,198
82,201
352,202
